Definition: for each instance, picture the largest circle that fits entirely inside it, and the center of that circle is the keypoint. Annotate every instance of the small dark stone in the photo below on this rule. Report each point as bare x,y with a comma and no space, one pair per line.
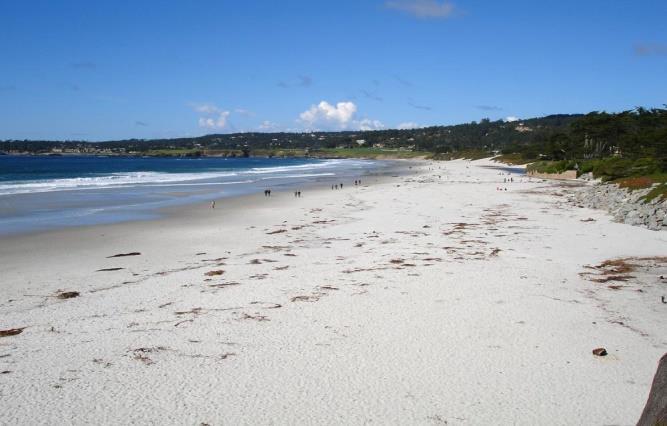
600,352
68,295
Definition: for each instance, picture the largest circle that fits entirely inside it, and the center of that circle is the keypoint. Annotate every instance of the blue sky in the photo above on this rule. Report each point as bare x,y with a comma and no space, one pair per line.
102,70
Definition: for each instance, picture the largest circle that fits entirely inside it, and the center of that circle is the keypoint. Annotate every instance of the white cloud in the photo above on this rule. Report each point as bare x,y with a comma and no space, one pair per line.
213,117
301,81
342,116
268,125
408,125
244,112
206,108
218,121
329,116
422,8
368,124
511,119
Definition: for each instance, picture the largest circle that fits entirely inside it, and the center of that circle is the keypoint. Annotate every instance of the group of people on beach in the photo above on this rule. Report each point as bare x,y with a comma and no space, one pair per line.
297,194
340,185
505,180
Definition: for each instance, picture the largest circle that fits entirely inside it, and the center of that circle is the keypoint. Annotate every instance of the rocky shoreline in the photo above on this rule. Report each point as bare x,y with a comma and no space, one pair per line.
625,206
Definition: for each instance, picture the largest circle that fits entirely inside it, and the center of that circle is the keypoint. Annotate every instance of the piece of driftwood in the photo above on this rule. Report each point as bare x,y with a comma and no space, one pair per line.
11,332
134,253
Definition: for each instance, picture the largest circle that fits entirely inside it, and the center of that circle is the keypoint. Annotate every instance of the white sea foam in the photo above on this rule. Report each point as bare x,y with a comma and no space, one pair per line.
297,176
107,181
277,169
130,179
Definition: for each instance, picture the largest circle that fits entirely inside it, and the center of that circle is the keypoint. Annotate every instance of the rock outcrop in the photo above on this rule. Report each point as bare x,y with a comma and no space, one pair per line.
655,411
624,205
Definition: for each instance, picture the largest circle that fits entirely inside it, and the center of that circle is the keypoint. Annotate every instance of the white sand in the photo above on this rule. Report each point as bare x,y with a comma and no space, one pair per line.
461,337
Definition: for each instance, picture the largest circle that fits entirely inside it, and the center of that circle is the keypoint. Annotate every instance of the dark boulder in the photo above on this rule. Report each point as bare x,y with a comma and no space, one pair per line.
655,411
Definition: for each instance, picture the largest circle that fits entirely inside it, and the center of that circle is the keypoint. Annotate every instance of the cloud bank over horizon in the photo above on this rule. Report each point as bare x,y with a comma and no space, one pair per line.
341,116
328,116
213,117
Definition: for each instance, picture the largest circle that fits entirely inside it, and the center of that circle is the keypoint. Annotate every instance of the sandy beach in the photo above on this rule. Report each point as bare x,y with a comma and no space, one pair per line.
428,298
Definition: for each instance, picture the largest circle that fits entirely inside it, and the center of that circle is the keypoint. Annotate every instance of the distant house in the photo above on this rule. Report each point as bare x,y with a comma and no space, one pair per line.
378,145
522,128
361,142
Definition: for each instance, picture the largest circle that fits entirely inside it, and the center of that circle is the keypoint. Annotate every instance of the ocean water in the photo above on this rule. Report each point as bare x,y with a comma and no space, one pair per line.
45,192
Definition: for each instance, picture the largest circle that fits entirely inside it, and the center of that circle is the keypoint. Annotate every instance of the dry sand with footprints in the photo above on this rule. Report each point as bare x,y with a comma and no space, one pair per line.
430,298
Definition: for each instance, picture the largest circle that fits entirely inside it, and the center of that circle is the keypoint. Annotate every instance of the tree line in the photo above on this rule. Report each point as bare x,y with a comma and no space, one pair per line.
633,134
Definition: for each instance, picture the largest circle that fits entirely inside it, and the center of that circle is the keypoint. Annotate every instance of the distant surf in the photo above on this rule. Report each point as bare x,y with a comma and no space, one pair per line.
42,192
21,175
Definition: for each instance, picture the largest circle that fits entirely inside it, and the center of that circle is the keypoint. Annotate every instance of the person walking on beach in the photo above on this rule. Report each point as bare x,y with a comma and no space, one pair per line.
299,194
213,204
341,186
